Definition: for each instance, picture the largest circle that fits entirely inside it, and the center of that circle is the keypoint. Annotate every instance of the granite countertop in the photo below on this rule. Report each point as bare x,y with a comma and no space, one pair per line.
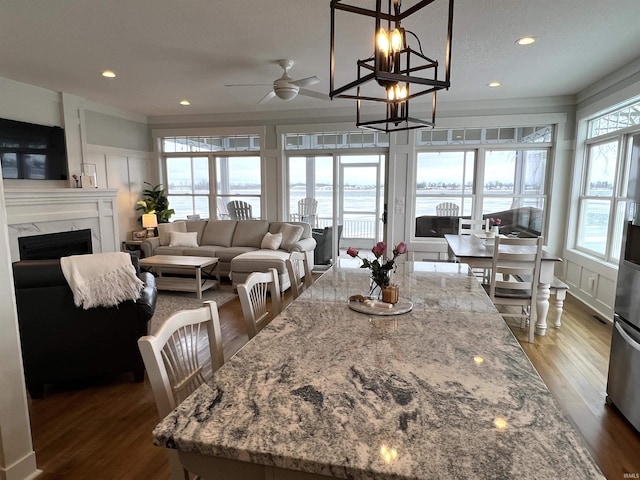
444,391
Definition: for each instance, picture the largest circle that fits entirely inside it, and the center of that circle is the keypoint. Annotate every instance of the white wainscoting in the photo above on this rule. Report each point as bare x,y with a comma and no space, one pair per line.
38,211
593,282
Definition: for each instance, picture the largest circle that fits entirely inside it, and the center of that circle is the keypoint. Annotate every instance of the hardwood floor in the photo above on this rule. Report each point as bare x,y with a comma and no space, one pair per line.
102,430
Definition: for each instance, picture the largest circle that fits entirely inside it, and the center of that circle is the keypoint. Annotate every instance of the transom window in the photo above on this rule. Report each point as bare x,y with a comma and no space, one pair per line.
335,140
194,143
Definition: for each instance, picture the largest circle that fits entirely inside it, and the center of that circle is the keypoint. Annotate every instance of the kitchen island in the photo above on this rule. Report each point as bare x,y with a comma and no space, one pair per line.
444,391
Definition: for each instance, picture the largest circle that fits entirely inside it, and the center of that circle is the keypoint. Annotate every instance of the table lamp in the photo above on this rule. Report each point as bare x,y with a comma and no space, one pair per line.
149,221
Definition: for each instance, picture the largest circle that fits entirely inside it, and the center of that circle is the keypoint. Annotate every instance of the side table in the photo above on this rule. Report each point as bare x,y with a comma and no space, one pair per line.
132,246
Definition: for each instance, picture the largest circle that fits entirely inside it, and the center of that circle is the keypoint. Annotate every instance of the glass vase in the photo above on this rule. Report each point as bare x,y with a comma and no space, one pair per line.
375,290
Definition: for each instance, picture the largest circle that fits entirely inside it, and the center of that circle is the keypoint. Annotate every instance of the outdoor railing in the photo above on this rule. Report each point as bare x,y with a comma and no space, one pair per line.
364,229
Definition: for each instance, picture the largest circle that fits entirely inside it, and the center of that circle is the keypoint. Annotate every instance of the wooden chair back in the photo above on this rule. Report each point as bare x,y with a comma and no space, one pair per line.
467,226
254,292
515,274
223,212
239,210
447,209
184,352
299,272
307,210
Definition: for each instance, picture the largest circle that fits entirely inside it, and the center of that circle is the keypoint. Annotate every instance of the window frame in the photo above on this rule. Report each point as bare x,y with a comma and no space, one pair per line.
617,199
478,194
256,142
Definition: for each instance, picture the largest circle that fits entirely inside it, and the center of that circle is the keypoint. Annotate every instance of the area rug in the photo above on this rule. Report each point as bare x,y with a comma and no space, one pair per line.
171,302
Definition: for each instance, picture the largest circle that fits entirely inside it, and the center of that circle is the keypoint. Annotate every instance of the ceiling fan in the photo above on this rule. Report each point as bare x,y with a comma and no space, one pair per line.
286,88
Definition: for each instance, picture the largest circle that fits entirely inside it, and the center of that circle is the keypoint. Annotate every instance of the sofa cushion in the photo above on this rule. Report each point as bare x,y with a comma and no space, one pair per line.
260,261
271,241
227,254
290,235
165,229
202,251
167,250
186,239
219,232
249,233
198,227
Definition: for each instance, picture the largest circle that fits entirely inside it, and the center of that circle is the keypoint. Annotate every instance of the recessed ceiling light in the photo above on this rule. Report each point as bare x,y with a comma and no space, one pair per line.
185,103
526,40
494,84
109,74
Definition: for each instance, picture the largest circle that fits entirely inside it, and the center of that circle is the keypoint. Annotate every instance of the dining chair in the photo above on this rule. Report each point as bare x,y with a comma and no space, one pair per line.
447,209
298,264
517,262
254,293
179,357
307,211
468,226
239,210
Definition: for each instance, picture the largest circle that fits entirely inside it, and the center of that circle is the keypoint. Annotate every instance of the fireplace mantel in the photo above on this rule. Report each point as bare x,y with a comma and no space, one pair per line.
33,211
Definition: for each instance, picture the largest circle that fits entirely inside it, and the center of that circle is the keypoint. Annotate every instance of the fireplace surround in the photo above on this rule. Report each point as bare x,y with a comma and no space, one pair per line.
41,211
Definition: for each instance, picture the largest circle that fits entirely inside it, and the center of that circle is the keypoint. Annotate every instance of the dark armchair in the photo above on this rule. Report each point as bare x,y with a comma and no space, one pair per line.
324,239
61,342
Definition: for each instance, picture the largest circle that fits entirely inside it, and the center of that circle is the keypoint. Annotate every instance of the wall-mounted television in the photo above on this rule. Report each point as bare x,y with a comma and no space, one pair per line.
33,152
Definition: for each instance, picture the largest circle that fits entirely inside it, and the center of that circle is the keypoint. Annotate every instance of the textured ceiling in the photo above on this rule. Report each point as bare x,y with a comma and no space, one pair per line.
164,50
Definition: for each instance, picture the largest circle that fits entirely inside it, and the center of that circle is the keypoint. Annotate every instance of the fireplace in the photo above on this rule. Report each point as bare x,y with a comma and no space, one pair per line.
55,245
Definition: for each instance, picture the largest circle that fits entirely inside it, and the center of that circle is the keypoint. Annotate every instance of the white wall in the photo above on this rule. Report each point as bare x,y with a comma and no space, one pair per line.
17,457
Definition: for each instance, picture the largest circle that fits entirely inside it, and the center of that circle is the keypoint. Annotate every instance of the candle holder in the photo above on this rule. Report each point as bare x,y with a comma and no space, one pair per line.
390,294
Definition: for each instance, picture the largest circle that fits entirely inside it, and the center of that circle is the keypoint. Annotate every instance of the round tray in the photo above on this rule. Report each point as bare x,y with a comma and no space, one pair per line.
403,306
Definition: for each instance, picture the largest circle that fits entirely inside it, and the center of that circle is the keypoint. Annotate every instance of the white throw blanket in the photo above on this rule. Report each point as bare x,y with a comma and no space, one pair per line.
102,279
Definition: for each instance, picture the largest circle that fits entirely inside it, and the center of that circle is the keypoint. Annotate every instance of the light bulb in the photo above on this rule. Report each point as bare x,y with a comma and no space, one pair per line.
402,92
383,41
396,41
391,94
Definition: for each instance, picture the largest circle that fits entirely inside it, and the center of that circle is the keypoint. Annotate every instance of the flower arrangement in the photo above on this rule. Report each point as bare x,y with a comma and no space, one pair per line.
380,267
495,222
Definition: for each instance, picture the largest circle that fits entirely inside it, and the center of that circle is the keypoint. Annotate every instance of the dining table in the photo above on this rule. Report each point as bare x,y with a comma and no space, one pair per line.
443,390
477,252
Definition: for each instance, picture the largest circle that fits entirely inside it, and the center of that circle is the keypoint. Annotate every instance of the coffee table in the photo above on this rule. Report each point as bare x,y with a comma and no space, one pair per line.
188,263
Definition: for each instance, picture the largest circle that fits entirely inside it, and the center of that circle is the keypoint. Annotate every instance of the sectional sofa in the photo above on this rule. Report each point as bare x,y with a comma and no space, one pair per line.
242,246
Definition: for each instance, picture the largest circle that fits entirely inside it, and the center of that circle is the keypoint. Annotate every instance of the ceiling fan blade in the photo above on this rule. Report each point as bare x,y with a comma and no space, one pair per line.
311,93
248,85
267,97
306,82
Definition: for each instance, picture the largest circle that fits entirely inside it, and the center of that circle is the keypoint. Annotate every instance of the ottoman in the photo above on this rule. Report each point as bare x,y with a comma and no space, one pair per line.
245,264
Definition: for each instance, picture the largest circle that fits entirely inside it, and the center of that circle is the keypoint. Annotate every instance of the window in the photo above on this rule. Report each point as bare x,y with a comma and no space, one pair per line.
601,203
188,185
312,176
603,188
444,176
215,173
238,178
514,189
493,172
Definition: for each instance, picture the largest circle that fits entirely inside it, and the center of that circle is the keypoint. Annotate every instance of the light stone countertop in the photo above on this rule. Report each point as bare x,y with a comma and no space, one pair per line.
327,390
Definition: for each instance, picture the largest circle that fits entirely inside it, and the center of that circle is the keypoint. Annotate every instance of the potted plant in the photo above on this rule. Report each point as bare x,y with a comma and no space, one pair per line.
155,201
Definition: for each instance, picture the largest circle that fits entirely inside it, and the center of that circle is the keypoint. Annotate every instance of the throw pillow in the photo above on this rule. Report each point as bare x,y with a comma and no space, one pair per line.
272,241
182,239
165,229
290,235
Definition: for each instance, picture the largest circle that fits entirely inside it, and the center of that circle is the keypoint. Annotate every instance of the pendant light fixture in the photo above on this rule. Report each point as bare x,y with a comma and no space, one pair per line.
396,73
